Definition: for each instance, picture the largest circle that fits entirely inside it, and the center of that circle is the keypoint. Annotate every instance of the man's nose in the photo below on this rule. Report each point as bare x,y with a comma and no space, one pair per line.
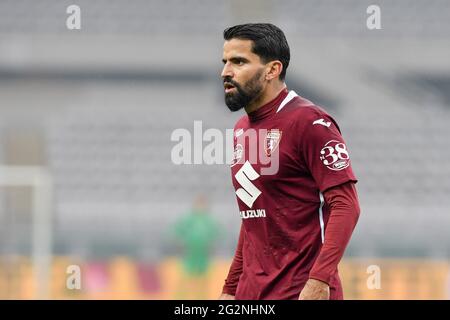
227,71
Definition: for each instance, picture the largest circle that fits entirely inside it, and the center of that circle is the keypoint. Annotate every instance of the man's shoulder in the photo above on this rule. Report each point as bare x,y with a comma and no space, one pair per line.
305,113
302,109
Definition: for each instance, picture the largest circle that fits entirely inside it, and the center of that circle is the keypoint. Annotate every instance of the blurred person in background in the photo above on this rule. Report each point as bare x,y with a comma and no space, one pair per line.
297,222
196,232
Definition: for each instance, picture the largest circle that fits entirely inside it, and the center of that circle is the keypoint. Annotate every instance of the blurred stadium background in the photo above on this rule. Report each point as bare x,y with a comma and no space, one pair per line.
86,118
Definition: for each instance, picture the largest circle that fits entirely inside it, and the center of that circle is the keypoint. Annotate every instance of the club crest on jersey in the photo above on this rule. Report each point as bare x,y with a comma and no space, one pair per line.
273,138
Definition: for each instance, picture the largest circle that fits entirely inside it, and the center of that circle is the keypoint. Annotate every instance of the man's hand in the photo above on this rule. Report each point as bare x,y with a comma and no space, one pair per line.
315,290
226,296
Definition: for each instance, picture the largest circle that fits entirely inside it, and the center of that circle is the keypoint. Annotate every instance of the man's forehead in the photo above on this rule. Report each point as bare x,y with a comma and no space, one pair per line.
237,47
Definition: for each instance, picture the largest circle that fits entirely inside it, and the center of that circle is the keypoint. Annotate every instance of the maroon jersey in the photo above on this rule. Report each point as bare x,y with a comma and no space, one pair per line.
300,154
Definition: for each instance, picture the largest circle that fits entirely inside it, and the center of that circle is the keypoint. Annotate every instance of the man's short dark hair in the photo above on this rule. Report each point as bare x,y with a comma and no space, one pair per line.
269,42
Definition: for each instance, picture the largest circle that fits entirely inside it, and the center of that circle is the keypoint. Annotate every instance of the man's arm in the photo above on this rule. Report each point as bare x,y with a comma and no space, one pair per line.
231,283
344,205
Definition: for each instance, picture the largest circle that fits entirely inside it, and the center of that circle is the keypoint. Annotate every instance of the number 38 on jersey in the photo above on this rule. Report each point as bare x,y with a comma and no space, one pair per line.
334,155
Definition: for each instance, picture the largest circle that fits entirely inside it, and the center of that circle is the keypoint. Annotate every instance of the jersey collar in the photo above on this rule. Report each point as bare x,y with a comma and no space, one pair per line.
269,108
286,100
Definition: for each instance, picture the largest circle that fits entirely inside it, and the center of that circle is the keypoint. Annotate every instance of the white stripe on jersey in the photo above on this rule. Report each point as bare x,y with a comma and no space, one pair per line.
291,95
322,227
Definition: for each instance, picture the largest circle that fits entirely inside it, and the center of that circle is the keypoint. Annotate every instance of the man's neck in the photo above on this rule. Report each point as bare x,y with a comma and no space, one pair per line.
270,94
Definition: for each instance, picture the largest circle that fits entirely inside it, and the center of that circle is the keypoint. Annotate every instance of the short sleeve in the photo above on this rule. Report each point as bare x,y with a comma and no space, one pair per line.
325,152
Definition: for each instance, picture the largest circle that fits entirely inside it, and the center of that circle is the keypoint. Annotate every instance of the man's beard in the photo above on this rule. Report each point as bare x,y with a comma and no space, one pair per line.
243,95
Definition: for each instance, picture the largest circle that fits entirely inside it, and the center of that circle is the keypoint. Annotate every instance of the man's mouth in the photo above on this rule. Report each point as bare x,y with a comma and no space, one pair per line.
228,87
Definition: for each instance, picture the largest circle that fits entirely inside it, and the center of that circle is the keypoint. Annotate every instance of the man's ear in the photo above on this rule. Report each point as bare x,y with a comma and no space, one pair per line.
274,69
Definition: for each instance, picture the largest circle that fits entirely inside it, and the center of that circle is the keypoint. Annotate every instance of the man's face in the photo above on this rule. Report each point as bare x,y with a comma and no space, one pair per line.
242,74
